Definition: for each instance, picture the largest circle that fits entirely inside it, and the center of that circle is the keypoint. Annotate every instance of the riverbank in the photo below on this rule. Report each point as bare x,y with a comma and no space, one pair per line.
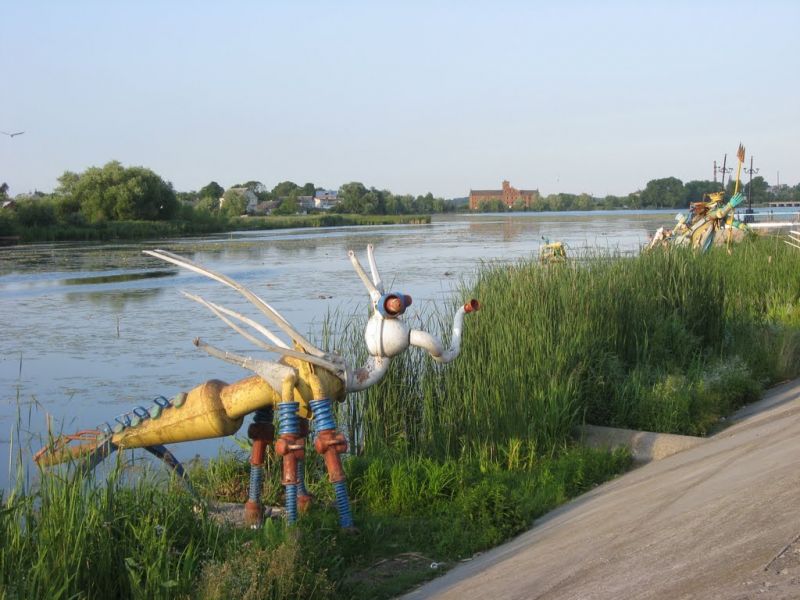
450,461
138,230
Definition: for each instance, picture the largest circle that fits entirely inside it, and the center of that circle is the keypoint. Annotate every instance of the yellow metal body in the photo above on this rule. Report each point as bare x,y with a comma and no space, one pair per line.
216,409
553,252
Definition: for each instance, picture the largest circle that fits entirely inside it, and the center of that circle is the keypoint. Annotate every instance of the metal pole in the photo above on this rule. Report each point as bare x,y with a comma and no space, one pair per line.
715,171
724,162
750,185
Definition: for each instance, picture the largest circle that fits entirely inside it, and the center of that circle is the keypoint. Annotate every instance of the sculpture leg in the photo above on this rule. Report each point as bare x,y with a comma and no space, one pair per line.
330,444
173,463
303,497
291,446
262,433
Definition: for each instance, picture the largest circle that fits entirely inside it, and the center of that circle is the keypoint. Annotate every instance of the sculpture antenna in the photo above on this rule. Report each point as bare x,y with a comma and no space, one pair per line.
260,304
373,291
280,348
373,267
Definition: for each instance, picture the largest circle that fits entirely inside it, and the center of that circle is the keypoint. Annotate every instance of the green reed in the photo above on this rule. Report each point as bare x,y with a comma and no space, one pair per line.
666,341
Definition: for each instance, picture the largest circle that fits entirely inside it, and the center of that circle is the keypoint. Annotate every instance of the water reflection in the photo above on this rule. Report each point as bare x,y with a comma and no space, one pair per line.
115,299
120,277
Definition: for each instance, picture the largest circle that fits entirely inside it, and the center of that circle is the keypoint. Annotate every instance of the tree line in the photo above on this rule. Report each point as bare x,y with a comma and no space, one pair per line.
114,192
667,192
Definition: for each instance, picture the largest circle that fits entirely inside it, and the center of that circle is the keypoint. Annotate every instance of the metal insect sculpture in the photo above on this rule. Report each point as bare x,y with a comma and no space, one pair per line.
302,385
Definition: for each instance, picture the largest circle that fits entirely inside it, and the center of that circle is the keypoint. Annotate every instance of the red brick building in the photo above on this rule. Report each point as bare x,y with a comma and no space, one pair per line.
508,196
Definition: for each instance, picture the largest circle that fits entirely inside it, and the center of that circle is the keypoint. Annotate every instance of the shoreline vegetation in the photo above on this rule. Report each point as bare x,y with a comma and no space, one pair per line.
137,230
446,461
118,202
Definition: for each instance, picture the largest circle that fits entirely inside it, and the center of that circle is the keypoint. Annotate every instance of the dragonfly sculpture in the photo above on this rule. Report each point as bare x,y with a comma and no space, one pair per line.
301,385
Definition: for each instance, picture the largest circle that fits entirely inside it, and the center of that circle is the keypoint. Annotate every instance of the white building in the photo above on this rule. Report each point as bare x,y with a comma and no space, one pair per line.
326,199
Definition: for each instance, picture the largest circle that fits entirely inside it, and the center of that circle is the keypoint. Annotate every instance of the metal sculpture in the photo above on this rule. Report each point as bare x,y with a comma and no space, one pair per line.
706,220
552,252
302,385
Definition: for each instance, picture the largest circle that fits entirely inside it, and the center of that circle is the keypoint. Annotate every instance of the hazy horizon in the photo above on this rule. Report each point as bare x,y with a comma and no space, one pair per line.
440,97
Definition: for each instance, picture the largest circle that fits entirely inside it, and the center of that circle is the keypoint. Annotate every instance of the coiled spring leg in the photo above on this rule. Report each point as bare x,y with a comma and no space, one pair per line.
329,444
262,433
291,446
303,497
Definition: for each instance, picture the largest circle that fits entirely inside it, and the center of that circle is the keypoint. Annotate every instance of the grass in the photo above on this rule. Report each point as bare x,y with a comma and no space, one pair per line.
79,538
448,461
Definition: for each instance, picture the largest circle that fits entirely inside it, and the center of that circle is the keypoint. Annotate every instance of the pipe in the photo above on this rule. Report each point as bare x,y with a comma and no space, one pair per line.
433,346
368,375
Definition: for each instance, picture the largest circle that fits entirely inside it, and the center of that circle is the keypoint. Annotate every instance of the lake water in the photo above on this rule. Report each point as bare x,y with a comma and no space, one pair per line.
91,330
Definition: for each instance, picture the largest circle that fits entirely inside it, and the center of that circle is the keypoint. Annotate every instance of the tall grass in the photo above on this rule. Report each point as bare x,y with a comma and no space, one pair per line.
451,459
666,341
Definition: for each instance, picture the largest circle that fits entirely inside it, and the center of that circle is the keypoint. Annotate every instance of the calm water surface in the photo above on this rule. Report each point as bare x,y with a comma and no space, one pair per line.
91,330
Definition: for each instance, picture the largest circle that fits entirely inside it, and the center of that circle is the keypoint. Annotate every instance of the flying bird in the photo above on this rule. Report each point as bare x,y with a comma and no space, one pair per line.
12,134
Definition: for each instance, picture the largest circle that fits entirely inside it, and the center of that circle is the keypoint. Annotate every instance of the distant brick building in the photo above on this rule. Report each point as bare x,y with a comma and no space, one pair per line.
508,196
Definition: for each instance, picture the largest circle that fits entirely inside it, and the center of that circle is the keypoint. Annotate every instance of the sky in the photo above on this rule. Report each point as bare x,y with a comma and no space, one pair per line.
569,96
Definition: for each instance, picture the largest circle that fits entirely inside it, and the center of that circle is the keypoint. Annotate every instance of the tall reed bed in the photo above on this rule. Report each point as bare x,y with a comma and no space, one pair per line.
665,341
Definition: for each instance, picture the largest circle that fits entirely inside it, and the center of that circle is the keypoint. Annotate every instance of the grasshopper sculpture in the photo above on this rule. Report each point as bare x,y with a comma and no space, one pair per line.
301,385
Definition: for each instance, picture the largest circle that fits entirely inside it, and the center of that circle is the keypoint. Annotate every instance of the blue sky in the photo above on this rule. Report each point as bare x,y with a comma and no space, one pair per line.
571,96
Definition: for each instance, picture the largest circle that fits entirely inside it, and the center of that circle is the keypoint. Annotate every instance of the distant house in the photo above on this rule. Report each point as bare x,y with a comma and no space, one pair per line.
306,202
509,195
8,204
326,199
266,208
247,194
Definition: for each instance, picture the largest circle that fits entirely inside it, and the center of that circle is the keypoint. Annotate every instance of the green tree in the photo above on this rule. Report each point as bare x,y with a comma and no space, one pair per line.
113,192
760,190
492,206
36,212
208,204
3,191
234,204
697,188
212,190
283,189
352,197
664,193
288,206
584,202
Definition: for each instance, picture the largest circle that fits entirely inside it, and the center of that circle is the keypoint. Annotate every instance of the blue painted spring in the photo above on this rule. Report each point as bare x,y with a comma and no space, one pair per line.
256,481
291,503
262,415
343,504
323,414
288,420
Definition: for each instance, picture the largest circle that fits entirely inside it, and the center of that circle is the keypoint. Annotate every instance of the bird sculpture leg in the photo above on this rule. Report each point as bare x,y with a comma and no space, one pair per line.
290,445
330,444
303,497
262,433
